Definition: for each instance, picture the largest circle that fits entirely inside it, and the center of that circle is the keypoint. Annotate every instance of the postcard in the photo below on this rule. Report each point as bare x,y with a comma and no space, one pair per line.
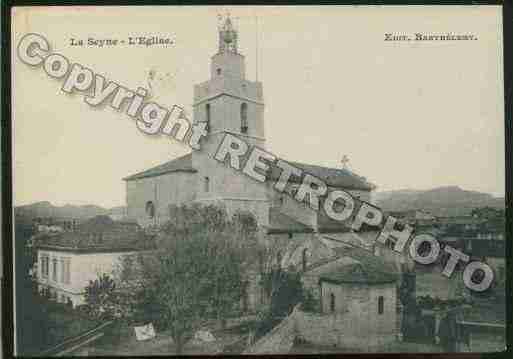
258,179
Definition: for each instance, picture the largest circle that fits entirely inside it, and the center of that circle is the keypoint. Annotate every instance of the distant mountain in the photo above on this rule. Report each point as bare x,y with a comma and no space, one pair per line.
46,209
441,201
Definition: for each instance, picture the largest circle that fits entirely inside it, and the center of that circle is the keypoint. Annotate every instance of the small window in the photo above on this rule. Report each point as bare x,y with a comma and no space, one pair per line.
54,270
218,71
304,259
44,266
291,235
381,305
150,209
244,118
207,184
332,302
207,115
62,271
67,274
278,258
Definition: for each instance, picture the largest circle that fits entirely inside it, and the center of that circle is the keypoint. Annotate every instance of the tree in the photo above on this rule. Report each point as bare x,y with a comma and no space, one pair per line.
195,273
101,298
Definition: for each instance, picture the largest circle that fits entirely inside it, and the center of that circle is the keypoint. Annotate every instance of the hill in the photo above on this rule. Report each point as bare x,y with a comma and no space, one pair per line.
46,209
441,201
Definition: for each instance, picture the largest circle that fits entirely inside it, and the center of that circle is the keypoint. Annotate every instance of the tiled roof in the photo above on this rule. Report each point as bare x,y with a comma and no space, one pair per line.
368,269
99,234
365,257
356,273
352,265
348,269
335,177
180,164
92,242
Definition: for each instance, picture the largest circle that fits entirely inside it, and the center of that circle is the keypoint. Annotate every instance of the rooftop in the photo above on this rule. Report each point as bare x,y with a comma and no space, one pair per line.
180,164
354,265
354,271
99,234
334,177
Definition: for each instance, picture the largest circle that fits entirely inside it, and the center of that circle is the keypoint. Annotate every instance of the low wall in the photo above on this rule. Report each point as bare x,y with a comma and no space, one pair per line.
337,330
320,329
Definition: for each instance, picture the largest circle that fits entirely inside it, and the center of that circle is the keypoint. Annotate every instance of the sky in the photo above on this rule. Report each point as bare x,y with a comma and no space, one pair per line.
407,114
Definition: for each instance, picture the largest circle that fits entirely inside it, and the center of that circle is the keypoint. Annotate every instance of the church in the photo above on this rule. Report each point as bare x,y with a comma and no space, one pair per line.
230,103
300,237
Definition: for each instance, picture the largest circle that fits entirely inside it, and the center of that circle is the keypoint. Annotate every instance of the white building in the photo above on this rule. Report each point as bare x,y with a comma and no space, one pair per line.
66,262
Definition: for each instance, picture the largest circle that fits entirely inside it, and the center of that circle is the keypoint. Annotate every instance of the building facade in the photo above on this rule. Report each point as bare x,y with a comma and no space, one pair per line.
68,261
65,273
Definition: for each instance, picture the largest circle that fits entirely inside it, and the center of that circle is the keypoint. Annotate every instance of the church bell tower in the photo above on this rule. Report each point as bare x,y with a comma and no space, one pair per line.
229,103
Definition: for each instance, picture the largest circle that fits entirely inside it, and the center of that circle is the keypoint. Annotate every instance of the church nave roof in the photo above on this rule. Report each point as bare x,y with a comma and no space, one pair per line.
180,164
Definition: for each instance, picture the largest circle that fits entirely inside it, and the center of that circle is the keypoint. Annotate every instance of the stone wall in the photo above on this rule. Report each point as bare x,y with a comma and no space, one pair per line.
340,331
334,329
356,319
172,188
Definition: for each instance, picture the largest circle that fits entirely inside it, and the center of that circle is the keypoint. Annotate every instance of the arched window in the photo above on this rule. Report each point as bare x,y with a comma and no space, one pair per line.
304,258
207,184
332,302
150,209
381,305
244,118
207,115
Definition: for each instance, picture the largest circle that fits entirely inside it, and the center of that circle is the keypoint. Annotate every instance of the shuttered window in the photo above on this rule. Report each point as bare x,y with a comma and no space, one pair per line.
54,269
61,272
44,266
67,273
